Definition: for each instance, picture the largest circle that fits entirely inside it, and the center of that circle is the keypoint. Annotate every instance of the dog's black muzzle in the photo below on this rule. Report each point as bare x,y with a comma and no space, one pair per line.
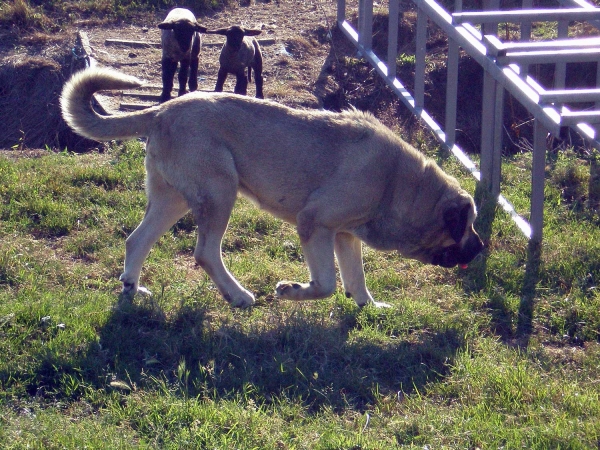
457,255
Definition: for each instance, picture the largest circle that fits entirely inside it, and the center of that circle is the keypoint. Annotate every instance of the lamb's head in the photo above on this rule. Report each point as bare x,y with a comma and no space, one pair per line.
183,30
235,35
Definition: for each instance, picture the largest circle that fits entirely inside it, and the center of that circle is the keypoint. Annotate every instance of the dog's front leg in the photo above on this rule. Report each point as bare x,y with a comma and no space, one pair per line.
348,250
317,245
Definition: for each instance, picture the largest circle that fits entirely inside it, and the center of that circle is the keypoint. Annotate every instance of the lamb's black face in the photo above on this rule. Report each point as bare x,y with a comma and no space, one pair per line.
184,32
235,37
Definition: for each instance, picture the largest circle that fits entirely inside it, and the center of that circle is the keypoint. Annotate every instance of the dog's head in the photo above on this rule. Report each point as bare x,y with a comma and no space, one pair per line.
448,238
464,243
432,230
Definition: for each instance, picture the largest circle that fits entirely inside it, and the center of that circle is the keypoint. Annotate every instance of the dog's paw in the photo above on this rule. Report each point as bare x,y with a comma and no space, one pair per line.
381,304
144,291
287,290
243,300
375,304
130,288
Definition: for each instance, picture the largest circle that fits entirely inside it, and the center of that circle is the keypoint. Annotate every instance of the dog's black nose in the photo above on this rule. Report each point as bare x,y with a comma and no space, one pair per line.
457,255
471,249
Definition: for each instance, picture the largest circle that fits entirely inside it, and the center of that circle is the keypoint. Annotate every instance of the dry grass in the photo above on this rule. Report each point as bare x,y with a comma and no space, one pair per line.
19,14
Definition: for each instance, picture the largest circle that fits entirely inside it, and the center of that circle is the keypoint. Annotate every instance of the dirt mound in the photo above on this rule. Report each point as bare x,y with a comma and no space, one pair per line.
30,87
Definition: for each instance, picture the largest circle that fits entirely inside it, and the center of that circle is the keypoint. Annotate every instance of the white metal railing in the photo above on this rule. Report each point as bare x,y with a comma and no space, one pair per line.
505,67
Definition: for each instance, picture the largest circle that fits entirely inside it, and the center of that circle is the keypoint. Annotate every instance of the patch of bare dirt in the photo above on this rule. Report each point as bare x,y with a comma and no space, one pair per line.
294,43
297,44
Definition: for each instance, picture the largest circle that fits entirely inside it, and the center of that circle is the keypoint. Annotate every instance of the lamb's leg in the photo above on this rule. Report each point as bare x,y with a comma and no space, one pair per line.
193,83
194,62
183,76
258,68
241,84
221,77
169,67
258,78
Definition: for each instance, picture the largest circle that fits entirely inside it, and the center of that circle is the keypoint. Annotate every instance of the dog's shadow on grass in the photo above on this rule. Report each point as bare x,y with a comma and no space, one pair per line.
316,360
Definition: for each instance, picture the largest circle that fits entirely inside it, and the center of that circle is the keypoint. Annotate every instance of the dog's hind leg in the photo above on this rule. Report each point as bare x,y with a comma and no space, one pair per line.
348,250
212,208
165,207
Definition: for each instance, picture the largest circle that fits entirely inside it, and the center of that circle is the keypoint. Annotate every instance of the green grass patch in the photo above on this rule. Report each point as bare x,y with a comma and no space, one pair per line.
42,16
447,366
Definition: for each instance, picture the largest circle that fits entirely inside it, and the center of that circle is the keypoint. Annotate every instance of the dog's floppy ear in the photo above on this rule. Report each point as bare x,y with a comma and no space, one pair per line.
456,220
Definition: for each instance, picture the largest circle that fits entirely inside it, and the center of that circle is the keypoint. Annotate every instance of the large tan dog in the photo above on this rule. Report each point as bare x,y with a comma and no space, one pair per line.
341,178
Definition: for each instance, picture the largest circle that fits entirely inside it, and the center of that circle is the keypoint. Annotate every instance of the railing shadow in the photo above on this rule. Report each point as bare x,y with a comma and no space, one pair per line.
502,316
528,294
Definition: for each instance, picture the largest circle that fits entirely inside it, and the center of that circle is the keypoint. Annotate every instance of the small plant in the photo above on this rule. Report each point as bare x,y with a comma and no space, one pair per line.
571,176
352,63
405,60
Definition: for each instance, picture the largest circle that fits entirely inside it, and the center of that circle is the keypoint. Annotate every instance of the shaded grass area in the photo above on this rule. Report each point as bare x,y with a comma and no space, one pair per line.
449,365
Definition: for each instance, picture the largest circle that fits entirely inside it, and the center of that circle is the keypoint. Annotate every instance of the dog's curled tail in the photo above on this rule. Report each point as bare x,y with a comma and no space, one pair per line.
75,103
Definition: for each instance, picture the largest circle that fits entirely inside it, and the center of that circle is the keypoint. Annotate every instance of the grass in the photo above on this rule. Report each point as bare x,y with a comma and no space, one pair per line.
42,15
503,355
445,367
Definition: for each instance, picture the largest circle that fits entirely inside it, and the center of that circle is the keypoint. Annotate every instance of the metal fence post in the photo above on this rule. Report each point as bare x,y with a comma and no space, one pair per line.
488,121
394,13
525,34
341,10
421,35
365,23
452,85
537,181
491,120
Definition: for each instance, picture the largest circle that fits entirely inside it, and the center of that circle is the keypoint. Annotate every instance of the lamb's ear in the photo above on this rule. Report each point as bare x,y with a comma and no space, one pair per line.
166,25
456,220
222,31
252,32
200,28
